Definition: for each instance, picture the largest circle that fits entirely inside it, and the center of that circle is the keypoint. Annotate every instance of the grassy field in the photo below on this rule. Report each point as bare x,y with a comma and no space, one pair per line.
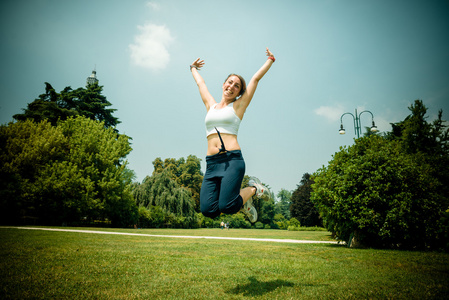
68,265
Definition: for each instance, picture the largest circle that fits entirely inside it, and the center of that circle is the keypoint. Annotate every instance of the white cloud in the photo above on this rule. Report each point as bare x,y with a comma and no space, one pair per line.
382,124
153,5
330,113
150,47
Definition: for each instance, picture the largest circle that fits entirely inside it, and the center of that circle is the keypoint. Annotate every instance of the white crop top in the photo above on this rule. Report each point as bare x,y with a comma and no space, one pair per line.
224,119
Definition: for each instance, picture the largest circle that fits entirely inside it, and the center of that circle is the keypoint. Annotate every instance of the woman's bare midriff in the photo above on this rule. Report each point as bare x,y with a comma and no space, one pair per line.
214,143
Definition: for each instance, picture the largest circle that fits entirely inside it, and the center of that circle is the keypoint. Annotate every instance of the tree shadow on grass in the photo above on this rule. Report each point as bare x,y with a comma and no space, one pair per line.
258,288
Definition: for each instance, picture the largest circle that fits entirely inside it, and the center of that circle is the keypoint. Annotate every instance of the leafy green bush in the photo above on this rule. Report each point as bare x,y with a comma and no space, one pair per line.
294,222
235,221
304,228
152,217
314,228
274,225
259,225
247,224
280,221
216,223
208,223
294,228
144,219
382,194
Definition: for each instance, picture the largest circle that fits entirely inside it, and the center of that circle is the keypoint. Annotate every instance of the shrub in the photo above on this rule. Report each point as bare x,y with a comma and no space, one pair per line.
153,217
259,225
144,217
294,222
304,228
247,224
236,220
294,228
274,225
384,196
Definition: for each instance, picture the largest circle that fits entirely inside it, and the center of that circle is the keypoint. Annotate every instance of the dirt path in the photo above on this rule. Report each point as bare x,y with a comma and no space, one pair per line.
182,236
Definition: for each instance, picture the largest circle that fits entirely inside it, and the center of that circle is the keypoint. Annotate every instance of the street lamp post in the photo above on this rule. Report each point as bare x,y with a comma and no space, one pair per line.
357,122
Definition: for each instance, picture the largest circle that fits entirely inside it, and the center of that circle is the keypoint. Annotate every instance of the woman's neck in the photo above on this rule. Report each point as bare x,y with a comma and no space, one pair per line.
225,102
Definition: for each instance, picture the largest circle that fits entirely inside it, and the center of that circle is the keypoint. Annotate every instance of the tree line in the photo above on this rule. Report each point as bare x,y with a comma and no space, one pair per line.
64,162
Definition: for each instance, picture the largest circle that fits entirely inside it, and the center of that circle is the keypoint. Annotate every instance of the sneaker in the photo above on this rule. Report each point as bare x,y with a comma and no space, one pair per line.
261,190
250,211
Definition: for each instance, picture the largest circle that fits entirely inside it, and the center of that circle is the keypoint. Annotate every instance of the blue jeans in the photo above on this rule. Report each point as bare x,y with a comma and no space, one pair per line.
220,191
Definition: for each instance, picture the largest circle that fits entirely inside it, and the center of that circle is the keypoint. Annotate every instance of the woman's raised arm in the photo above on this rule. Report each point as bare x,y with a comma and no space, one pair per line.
252,85
207,98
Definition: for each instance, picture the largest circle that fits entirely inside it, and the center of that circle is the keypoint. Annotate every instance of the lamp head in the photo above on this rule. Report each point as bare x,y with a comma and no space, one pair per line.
342,130
374,128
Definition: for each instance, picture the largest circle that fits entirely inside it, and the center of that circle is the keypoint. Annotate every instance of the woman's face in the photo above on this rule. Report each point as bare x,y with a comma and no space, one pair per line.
232,87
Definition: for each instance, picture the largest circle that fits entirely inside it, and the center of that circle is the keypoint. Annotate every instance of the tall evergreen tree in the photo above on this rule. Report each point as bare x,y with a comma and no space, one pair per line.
47,107
430,141
89,102
302,207
53,106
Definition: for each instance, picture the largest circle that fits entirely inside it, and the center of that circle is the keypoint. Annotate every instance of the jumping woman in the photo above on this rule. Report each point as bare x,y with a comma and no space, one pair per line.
225,167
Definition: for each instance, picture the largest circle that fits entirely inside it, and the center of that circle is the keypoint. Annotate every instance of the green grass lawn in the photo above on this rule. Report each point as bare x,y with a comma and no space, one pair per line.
67,265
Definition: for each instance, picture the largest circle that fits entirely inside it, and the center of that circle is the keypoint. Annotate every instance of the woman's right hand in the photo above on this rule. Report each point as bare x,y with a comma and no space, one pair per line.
198,63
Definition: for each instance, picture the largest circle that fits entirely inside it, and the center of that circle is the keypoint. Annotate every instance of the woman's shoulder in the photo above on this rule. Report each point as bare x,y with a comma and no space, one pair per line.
210,105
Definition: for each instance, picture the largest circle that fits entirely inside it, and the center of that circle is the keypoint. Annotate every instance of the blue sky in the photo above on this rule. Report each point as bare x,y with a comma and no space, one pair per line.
332,57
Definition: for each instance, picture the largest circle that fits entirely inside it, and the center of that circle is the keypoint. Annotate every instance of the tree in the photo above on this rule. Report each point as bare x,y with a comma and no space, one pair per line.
26,148
186,173
267,212
283,205
160,190
58,174
191,177
302,208
100,153
429,140
53,106
280,221
89,102
46,107
380,194
151,217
